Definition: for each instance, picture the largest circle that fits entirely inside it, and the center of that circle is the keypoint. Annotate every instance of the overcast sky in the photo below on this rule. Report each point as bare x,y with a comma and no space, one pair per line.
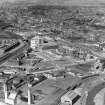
62,2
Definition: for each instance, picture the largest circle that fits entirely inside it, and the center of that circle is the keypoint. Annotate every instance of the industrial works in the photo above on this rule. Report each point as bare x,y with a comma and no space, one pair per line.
52,54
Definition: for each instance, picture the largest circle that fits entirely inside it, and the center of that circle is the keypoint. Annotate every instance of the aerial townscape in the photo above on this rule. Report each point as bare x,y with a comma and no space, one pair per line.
52,54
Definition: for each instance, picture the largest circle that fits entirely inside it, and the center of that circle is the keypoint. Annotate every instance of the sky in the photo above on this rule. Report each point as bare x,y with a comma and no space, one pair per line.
60,2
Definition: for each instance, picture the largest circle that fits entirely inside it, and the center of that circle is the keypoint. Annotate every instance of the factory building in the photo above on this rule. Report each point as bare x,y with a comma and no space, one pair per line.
71,97
42,42
35,41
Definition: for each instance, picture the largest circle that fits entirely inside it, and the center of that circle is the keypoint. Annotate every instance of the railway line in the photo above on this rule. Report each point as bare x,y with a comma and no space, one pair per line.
13,52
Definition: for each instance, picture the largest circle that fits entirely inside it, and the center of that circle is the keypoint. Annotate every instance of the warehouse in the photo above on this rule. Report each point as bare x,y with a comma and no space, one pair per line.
71,97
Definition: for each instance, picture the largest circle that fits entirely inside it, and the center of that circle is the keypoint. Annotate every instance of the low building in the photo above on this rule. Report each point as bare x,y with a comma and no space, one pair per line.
12,98
71,97
49,75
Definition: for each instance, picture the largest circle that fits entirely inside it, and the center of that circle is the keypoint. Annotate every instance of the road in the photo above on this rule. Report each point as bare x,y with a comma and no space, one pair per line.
53,66
46,66
93,92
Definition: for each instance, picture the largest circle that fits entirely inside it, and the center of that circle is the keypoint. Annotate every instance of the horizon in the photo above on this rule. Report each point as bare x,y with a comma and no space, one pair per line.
56,2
